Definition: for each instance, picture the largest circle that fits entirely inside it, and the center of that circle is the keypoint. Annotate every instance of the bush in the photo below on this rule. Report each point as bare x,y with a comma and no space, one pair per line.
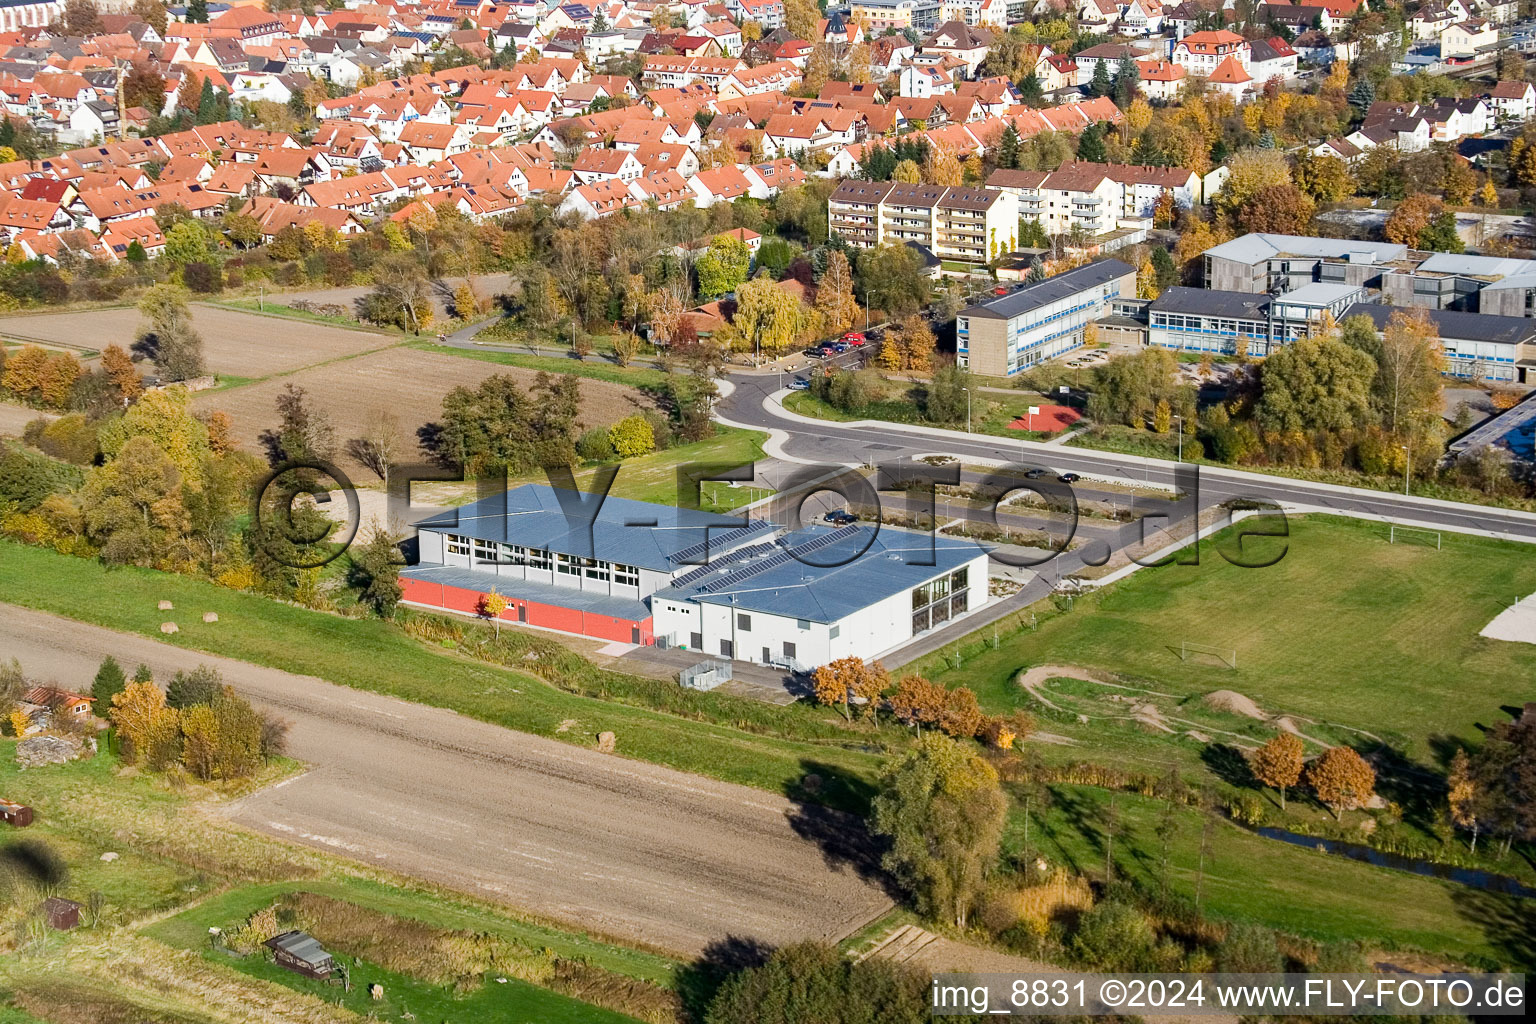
1246,809
201,277
1114,936
812,981
631,437
594,446
1249,949
661,429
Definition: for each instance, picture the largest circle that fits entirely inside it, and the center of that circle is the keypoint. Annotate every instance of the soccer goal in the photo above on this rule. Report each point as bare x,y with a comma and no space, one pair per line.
1413,535
1226,655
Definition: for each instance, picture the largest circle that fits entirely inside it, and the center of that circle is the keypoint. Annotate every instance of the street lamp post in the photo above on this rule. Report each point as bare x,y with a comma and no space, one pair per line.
1407,466
967,409
1181,437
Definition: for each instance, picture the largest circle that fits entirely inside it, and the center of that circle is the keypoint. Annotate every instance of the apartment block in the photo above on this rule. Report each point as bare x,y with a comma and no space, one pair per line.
972,225
1039,321
1094,197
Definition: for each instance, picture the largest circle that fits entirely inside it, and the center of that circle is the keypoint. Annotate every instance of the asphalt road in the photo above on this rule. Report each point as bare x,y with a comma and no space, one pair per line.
616,846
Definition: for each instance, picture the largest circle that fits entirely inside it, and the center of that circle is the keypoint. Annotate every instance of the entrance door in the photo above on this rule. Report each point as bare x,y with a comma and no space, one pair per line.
522,613
767,655
634,634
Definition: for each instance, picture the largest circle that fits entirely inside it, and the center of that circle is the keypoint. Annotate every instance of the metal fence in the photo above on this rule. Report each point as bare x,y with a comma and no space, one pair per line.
705,675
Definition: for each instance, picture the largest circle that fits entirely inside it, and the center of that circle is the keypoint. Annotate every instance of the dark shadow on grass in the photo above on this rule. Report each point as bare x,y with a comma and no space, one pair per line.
1229,765
1508,923
36,862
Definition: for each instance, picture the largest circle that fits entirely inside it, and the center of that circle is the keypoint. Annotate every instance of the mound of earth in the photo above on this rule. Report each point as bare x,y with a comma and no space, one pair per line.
1233,703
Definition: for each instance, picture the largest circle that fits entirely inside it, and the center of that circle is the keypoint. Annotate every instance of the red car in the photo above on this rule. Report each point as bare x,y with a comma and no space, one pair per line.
855,339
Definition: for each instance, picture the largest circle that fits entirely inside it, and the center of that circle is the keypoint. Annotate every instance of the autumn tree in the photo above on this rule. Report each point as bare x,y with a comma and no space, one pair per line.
1278,209
150,730
152,13
918,702
1252,171
835,304
1408,385
907,173
941,168
1278,763
1462,795
843,680
133,505
118,365
1410,217
401,296
942,810
1326,179
81,18
1341,779
1503,775
663,310
768,318
800,17
493,605
961,716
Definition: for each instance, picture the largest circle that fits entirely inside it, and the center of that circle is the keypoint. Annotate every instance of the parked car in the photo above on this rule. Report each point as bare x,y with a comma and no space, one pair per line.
840,517
799,384
854,338
1034,474
1069,478
817,353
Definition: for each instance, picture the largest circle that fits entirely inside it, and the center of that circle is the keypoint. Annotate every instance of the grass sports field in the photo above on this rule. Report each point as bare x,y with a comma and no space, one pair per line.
1345,629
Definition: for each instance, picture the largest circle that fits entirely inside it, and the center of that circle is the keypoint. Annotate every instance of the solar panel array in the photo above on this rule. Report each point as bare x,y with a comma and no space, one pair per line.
735,556
782,558
739,533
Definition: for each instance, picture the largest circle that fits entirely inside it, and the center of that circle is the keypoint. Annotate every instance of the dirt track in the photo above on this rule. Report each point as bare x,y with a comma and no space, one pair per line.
614,845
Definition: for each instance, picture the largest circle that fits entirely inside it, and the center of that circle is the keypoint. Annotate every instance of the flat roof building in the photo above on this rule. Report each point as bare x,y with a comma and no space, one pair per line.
1266,263
1035,322
1477,346
1495,285
1234,322
640,573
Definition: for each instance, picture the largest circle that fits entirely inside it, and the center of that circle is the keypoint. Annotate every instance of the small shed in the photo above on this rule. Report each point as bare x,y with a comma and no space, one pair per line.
16,814
301,953
61,914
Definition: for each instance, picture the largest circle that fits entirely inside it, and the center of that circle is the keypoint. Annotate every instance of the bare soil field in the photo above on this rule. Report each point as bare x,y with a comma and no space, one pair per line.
406,382
611,845
235,343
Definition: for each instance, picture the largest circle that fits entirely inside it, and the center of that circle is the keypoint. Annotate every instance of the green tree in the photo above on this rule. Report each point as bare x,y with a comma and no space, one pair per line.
197,12
170,339
1440,234
199,686
814,983
893,280
723,267
1100,85
1318,383
109,682
375,571
948,397
942,809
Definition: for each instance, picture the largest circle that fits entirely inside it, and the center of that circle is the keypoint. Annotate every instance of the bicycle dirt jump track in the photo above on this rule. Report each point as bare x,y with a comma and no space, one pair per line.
619,847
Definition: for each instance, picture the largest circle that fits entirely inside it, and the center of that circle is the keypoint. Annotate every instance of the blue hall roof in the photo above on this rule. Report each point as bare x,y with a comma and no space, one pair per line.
657,537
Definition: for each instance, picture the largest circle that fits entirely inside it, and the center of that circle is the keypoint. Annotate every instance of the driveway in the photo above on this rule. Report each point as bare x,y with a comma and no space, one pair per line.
611,845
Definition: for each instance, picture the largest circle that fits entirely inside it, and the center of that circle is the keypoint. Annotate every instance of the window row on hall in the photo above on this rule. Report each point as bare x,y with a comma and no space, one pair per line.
489,552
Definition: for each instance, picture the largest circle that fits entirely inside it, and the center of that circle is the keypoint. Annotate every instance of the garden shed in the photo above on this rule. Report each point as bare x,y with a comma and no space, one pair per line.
301,953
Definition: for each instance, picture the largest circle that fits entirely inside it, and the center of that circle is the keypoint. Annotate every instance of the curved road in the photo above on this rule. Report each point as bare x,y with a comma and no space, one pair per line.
604,843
